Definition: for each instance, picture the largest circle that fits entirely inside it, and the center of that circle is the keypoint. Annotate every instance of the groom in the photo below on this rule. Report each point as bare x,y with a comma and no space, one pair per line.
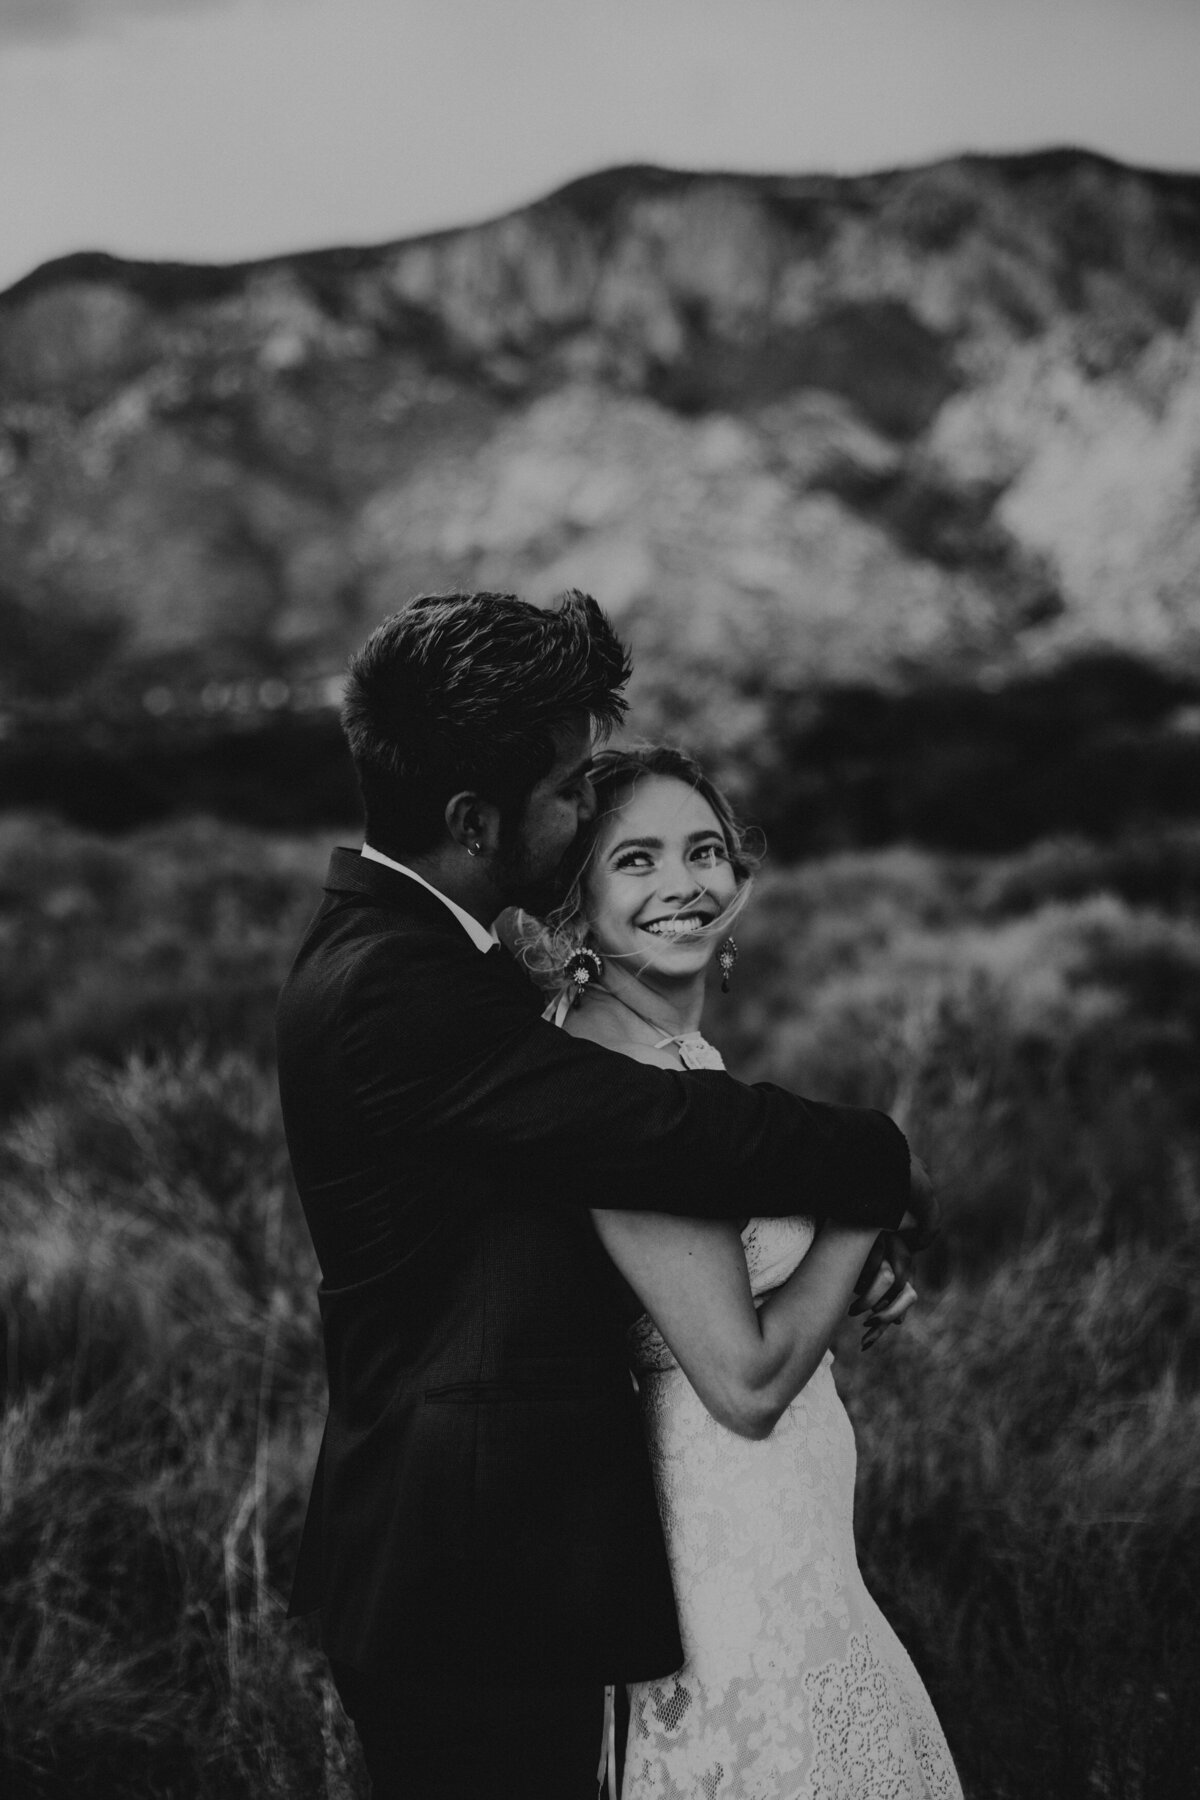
482,1538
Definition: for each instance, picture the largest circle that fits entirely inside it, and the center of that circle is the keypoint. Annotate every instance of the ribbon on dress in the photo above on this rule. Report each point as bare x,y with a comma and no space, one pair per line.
608,1745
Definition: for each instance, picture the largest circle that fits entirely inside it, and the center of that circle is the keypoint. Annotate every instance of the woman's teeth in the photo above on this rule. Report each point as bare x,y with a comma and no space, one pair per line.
675,927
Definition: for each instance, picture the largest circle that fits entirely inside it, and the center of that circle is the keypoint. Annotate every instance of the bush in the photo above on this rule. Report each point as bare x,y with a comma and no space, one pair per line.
164,1387
1027,1489
183,932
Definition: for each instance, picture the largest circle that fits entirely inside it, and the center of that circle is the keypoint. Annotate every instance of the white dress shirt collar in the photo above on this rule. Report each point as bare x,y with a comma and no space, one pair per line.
480,936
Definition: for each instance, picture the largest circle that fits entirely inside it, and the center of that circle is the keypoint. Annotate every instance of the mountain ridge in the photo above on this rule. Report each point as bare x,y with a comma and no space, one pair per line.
932,424
619,177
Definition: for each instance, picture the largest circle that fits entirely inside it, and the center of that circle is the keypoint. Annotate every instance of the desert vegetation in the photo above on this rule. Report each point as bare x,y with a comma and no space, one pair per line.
1028,1482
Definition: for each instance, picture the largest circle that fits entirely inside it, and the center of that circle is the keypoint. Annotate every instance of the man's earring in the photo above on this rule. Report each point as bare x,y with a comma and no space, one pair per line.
474,849
726,956
583,968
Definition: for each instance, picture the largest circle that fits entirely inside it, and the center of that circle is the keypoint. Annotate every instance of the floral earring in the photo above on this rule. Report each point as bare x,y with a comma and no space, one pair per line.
727,955
583,969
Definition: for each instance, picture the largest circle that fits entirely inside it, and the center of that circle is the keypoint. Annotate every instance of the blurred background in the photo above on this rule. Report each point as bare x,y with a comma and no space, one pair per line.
850,354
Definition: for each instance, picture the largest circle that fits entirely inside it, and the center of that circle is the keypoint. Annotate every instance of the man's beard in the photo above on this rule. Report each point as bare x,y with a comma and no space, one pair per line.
534,890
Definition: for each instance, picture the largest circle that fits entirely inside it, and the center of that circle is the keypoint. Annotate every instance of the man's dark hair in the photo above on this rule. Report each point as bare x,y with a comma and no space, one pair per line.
466,691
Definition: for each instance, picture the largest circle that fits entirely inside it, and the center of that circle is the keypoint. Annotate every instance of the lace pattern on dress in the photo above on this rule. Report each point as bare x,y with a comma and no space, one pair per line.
794,1685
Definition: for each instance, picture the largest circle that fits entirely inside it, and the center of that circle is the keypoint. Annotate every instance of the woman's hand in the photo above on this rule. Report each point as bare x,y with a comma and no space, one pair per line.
884,1289
880,1317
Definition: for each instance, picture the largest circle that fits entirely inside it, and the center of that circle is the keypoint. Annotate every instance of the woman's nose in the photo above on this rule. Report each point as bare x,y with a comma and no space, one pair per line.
676,881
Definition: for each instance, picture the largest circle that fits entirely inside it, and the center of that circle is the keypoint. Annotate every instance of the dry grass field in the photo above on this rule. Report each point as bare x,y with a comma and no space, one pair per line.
1029,1484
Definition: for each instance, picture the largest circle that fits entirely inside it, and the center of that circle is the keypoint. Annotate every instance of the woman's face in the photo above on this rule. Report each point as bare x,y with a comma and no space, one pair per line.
660,871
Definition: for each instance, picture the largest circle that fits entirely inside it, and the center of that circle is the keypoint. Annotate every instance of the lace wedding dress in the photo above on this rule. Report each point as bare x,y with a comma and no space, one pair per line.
795,1686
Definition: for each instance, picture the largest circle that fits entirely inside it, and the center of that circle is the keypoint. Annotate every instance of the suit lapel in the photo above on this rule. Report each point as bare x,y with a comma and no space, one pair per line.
354,877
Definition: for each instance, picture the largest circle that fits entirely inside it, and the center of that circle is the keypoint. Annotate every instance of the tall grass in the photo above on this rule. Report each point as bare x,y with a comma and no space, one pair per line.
1028,1487
163,1385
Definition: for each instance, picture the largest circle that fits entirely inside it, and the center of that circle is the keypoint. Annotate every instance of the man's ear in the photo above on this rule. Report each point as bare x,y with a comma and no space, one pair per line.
473,823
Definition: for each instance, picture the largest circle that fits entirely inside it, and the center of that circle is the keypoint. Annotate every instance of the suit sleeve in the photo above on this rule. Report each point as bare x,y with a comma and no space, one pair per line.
443,1048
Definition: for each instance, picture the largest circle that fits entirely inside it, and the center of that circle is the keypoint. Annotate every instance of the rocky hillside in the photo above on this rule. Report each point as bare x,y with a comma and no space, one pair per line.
932,426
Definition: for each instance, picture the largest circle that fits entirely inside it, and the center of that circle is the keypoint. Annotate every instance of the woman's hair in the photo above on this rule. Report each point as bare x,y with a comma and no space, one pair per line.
546,945
468,691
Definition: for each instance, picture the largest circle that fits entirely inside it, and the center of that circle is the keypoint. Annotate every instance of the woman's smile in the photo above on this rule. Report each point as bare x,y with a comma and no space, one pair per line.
677,924
660,877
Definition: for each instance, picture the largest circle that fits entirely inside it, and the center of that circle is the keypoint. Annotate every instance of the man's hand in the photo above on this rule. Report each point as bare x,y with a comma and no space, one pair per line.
922,1221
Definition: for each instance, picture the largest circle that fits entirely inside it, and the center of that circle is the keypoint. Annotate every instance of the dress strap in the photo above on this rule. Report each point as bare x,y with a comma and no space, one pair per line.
557,1010
608,1745
695,1051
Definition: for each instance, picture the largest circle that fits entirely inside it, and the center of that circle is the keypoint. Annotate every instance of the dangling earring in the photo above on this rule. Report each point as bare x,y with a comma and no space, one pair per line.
727,955
583,968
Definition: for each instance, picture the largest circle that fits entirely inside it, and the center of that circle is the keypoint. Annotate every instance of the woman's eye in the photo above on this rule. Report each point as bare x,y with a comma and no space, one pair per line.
632,859
710,853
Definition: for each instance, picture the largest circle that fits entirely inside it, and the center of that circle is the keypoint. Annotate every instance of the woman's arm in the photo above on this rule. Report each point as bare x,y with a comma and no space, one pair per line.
746,1364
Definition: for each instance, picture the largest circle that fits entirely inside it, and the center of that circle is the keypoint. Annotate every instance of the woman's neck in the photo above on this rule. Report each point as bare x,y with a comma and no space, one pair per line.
674,1009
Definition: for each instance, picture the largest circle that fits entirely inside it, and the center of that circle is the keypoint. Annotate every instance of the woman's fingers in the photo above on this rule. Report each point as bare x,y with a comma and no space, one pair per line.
881,1284
893,1314
890,1252
895,1311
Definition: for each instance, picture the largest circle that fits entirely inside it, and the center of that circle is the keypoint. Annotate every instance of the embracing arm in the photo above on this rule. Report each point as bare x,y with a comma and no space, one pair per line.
746,1364
439,1049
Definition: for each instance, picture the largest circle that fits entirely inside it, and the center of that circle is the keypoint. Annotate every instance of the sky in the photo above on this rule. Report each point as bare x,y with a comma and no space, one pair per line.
216,130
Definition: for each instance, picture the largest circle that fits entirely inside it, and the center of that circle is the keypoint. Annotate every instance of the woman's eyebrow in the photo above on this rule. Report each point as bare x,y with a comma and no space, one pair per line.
642,843
653,843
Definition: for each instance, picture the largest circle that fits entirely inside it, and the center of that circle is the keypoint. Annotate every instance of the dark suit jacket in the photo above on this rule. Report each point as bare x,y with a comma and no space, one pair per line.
483,1502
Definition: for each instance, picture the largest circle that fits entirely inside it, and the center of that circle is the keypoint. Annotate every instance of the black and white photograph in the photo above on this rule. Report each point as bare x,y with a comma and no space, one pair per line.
599,899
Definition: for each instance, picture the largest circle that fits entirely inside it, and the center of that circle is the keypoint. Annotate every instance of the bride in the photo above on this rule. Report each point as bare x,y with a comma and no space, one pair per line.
794,1685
